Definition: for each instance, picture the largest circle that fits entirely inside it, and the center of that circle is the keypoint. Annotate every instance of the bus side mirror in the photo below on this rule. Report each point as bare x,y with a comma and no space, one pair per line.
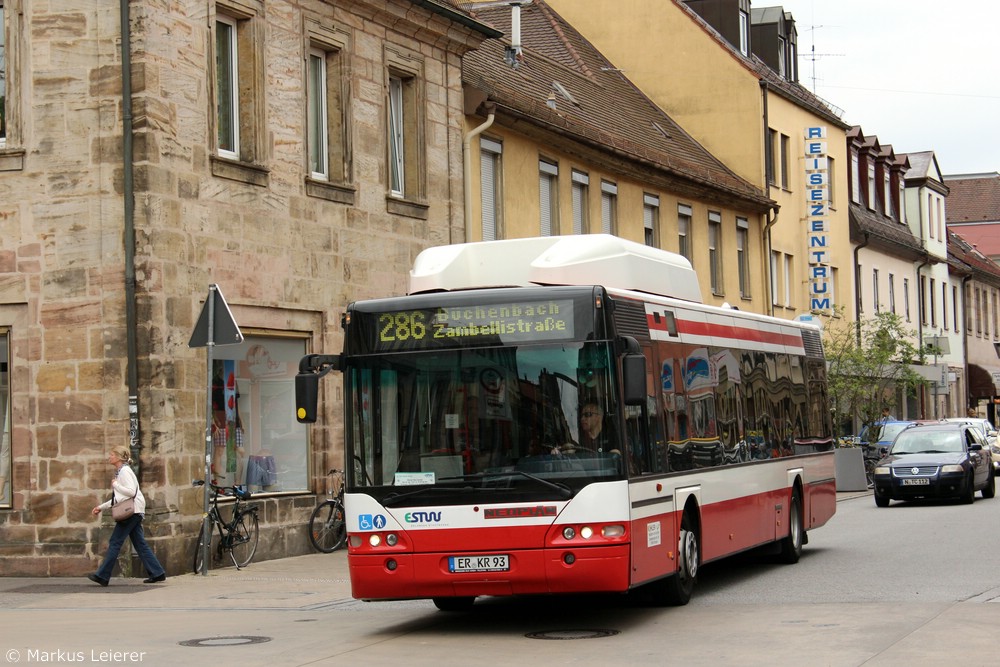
306,397
634,378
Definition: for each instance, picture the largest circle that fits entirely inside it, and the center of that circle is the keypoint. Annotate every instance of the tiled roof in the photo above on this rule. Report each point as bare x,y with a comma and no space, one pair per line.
973,198
984,237
885,233
606,110
972,260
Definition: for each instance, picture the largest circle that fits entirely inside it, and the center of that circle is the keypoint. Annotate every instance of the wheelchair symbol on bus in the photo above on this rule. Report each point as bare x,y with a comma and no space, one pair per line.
371,522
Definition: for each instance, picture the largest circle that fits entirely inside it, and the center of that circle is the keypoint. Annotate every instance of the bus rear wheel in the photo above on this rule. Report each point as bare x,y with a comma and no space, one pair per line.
791,545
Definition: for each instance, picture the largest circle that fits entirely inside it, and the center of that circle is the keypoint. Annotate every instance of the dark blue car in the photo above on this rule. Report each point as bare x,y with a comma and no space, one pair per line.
935,460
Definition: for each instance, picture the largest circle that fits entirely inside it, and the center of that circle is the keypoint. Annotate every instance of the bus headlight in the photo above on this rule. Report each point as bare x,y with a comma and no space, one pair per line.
569,533
586,532
614,530
374,539
391,539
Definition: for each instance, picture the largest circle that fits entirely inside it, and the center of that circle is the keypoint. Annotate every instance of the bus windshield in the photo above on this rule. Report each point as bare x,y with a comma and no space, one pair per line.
532,421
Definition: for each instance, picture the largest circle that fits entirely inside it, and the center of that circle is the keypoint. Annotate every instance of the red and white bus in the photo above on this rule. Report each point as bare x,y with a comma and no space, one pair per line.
466,472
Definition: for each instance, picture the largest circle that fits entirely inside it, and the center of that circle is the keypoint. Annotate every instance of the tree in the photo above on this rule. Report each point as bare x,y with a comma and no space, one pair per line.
867,361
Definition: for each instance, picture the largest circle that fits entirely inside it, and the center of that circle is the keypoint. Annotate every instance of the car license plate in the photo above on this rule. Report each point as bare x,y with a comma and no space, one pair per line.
493,563
919,481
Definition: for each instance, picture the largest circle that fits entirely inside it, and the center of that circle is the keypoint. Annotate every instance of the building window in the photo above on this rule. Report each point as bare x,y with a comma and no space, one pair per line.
930,216
684,217
548,197
404,106
491,193
769,152
651,220
875,300
788,281
906,298
785,142
932,306
968,308
256,439
715,251
581,187
327,115
609,208
954,308
872,193
317,118
855,179
892,294
744,33
902,201
979,312
994,304
831,172
887,193
5,417
782,54
922,299
775,266
742,261
227,87
944,305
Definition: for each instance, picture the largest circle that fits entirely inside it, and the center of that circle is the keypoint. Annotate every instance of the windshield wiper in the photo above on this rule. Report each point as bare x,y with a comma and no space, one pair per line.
395,495
563,490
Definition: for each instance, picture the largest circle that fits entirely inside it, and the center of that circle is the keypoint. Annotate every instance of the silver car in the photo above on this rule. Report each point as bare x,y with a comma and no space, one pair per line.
989,435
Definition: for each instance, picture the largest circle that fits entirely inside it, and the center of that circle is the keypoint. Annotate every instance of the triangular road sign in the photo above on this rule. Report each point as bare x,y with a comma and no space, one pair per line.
225,331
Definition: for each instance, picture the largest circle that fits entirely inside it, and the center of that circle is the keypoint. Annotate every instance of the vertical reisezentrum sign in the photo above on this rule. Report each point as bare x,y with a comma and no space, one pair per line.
818,221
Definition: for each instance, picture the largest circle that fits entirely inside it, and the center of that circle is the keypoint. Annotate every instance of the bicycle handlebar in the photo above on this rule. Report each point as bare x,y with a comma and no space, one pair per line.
238,492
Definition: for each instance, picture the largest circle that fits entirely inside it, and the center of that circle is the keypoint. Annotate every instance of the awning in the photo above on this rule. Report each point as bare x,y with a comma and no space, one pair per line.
981,384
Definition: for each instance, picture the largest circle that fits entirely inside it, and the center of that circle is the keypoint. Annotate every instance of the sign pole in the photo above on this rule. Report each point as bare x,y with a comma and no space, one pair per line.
206,526
215,326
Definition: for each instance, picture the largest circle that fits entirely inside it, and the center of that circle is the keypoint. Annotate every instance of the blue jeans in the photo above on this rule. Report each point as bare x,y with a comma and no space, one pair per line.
132,529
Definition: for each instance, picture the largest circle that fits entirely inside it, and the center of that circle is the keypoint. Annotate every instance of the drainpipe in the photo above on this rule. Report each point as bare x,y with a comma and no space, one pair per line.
857,287
767,262
466,161
128,187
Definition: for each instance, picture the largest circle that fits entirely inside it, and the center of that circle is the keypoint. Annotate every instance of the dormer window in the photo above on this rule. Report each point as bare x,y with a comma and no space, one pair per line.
744,33
887,193
872,192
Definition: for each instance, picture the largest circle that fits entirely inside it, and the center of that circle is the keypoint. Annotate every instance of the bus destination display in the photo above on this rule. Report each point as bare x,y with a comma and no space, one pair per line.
491,324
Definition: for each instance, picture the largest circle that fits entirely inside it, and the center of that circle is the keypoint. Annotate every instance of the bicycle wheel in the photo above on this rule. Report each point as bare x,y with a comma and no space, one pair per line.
244,538
327,530
199,551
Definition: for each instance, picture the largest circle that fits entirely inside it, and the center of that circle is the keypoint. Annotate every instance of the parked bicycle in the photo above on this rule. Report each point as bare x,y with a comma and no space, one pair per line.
327,529
238,536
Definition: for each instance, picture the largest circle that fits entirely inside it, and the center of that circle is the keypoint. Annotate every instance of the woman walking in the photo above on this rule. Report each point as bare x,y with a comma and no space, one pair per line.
125,485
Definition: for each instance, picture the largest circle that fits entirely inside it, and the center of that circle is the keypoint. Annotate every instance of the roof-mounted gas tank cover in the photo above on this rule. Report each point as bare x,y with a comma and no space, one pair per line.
587,259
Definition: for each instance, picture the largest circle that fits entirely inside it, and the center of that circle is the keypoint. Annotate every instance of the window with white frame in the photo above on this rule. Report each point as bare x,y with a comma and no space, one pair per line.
892,294
744,33
327,113
782,54
887,193
715,251
855,179
609,207
404,123
548,197
769,156
902,201
317,118
788,281
684,217
906,298
922,299
5,417
742,259
875,299
491,193
831,171
651,220
944,305
785,144
580,190
932,293
931,223
954,308
227,87
872,192
775,278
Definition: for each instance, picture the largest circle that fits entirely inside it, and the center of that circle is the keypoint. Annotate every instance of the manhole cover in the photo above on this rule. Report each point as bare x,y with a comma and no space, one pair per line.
238,640
571,634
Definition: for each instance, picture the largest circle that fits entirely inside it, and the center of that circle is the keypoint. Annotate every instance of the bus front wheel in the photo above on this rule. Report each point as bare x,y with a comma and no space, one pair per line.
676,589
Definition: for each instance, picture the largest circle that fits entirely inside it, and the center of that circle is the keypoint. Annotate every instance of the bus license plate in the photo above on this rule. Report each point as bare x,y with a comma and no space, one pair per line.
916,482
494,563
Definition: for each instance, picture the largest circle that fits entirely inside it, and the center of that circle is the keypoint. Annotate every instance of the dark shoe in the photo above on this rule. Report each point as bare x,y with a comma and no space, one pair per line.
155,580
97,580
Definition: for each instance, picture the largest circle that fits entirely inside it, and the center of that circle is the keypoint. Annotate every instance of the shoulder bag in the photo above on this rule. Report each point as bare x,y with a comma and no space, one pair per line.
125,509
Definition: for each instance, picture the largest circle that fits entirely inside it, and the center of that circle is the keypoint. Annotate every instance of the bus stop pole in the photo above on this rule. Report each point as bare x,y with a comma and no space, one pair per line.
206,526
